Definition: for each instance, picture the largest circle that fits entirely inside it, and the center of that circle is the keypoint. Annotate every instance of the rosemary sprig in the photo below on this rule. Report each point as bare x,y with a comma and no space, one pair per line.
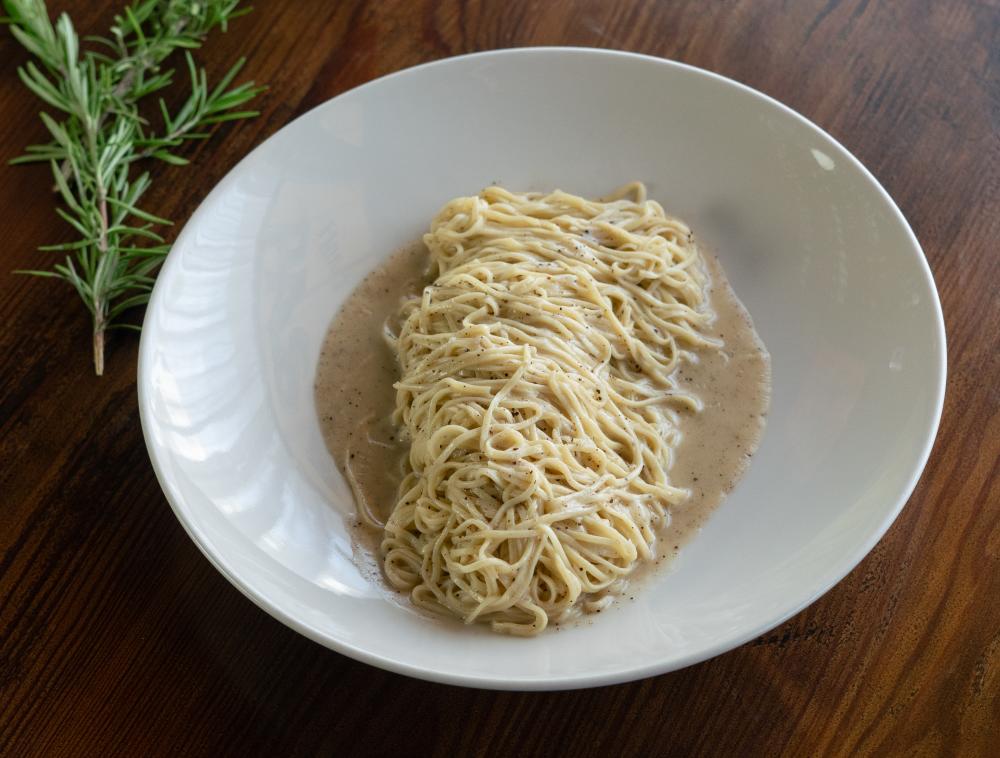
98,134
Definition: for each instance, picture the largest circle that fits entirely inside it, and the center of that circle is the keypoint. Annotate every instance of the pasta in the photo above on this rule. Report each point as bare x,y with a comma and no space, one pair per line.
538,393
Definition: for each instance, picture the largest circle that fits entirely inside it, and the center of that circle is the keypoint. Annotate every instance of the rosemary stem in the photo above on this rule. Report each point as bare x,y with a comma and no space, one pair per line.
101,196
99,328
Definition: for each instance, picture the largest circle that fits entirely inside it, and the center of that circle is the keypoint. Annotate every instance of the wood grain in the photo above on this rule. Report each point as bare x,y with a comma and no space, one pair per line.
118,637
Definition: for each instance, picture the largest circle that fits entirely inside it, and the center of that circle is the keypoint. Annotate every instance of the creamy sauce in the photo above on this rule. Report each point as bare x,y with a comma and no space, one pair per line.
734,385
355,399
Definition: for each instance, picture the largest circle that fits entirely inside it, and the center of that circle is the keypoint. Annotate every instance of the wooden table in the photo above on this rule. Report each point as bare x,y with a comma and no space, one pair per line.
118,637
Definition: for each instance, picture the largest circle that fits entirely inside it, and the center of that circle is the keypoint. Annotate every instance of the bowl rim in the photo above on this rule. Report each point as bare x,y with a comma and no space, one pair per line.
583,679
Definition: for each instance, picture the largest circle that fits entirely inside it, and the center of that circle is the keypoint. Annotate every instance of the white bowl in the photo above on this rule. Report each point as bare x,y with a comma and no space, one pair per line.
821,256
